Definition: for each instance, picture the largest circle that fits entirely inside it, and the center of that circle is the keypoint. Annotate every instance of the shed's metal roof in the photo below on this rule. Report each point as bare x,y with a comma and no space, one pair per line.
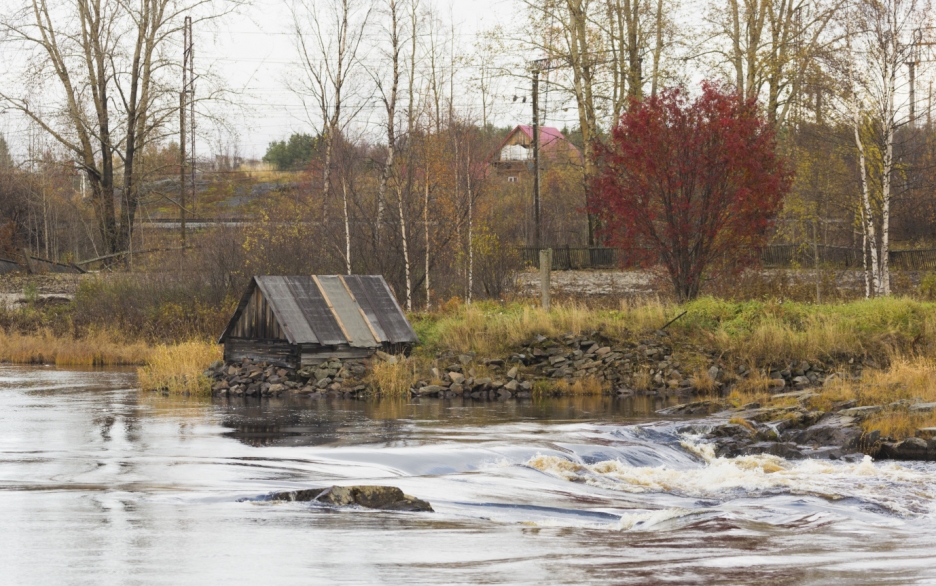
357,310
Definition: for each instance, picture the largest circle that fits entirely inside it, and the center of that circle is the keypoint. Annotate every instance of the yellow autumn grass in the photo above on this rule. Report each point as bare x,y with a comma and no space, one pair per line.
906,381
174,367
490,329
95,349
178,368
395,379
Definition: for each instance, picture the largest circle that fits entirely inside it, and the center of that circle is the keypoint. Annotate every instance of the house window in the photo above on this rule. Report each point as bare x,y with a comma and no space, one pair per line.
511,179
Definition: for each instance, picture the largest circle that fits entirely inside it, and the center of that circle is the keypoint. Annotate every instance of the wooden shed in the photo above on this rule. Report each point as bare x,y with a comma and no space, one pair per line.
298,321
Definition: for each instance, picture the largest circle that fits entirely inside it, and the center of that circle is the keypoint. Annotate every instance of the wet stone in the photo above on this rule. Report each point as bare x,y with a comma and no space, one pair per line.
384,498
926,433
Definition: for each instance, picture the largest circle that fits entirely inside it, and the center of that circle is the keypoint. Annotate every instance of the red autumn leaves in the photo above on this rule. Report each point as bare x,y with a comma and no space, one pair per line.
691,185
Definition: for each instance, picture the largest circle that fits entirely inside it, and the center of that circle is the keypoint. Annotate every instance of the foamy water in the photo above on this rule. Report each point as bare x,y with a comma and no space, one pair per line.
102,484
896,486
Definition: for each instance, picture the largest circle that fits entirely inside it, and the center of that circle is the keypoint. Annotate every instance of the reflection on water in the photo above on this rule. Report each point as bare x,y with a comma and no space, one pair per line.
304,421
102,484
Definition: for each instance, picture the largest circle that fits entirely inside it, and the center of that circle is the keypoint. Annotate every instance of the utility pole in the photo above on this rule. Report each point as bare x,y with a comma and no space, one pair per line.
182,158
191,99
536,163
929,108
912,63
186,98
536,67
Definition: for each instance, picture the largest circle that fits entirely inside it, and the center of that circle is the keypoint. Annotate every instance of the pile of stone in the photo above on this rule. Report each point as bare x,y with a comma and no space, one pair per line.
249,378
554,366
798,376
465,376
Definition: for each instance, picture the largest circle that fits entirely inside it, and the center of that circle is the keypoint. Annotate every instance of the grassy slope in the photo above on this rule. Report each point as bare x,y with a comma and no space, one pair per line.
754,333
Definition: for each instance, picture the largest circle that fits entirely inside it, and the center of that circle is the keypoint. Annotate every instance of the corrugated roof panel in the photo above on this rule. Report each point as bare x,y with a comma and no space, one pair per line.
290,315
392,319
316,311
360,295
347,312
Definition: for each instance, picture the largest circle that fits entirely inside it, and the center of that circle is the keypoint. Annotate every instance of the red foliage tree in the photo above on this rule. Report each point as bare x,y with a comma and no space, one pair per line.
689,184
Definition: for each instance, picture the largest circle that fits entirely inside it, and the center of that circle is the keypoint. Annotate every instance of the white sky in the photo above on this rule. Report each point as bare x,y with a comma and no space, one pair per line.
254,52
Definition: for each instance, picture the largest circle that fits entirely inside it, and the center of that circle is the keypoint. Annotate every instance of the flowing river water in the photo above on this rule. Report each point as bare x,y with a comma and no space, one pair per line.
103,484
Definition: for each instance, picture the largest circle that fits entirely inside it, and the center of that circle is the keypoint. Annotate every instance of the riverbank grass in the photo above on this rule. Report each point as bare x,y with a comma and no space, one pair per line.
95,349
179,368
754,333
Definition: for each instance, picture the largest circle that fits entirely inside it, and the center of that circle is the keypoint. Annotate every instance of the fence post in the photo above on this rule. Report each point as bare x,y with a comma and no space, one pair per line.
27,262
545,262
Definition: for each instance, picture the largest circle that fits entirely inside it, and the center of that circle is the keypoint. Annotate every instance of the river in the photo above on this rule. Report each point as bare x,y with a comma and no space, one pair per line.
103,484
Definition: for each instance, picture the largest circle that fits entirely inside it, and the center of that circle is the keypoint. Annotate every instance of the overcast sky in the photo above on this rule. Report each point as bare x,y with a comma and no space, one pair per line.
255,53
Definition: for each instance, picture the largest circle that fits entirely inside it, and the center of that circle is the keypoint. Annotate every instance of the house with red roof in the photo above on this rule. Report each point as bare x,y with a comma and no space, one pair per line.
514,157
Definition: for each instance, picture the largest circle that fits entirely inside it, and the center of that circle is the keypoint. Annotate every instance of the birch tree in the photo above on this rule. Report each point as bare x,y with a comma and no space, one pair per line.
880,38
329,37
105,95
768,46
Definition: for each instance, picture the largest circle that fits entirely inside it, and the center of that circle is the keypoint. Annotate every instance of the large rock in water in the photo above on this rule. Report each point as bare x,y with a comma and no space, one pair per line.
384,498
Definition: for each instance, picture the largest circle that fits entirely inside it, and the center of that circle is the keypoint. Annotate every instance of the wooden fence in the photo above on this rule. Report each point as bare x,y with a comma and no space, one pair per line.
773,256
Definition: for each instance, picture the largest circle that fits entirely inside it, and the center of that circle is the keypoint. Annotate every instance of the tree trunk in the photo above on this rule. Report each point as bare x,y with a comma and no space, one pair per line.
406,259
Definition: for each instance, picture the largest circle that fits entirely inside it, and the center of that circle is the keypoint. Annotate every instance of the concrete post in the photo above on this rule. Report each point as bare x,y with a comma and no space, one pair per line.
545,265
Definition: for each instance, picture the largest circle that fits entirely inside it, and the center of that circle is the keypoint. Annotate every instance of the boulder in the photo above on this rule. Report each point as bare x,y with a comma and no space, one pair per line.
384,498
926,433
706,407
787,450
913,448
861,412
714,373
923,408
837,430
429,390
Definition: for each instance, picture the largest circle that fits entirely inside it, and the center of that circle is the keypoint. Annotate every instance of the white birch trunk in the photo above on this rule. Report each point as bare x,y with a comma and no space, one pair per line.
866,212
888,163
406,260
470,228
426,222
864,256
347,223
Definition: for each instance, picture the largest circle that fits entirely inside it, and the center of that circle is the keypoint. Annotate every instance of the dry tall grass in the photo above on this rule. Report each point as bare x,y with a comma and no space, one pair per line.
905,382
754,333
95,349
178,368
393,379
490,329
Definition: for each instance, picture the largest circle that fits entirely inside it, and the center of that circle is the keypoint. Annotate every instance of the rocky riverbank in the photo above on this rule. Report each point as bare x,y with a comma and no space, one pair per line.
795,421
798,430
589,363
